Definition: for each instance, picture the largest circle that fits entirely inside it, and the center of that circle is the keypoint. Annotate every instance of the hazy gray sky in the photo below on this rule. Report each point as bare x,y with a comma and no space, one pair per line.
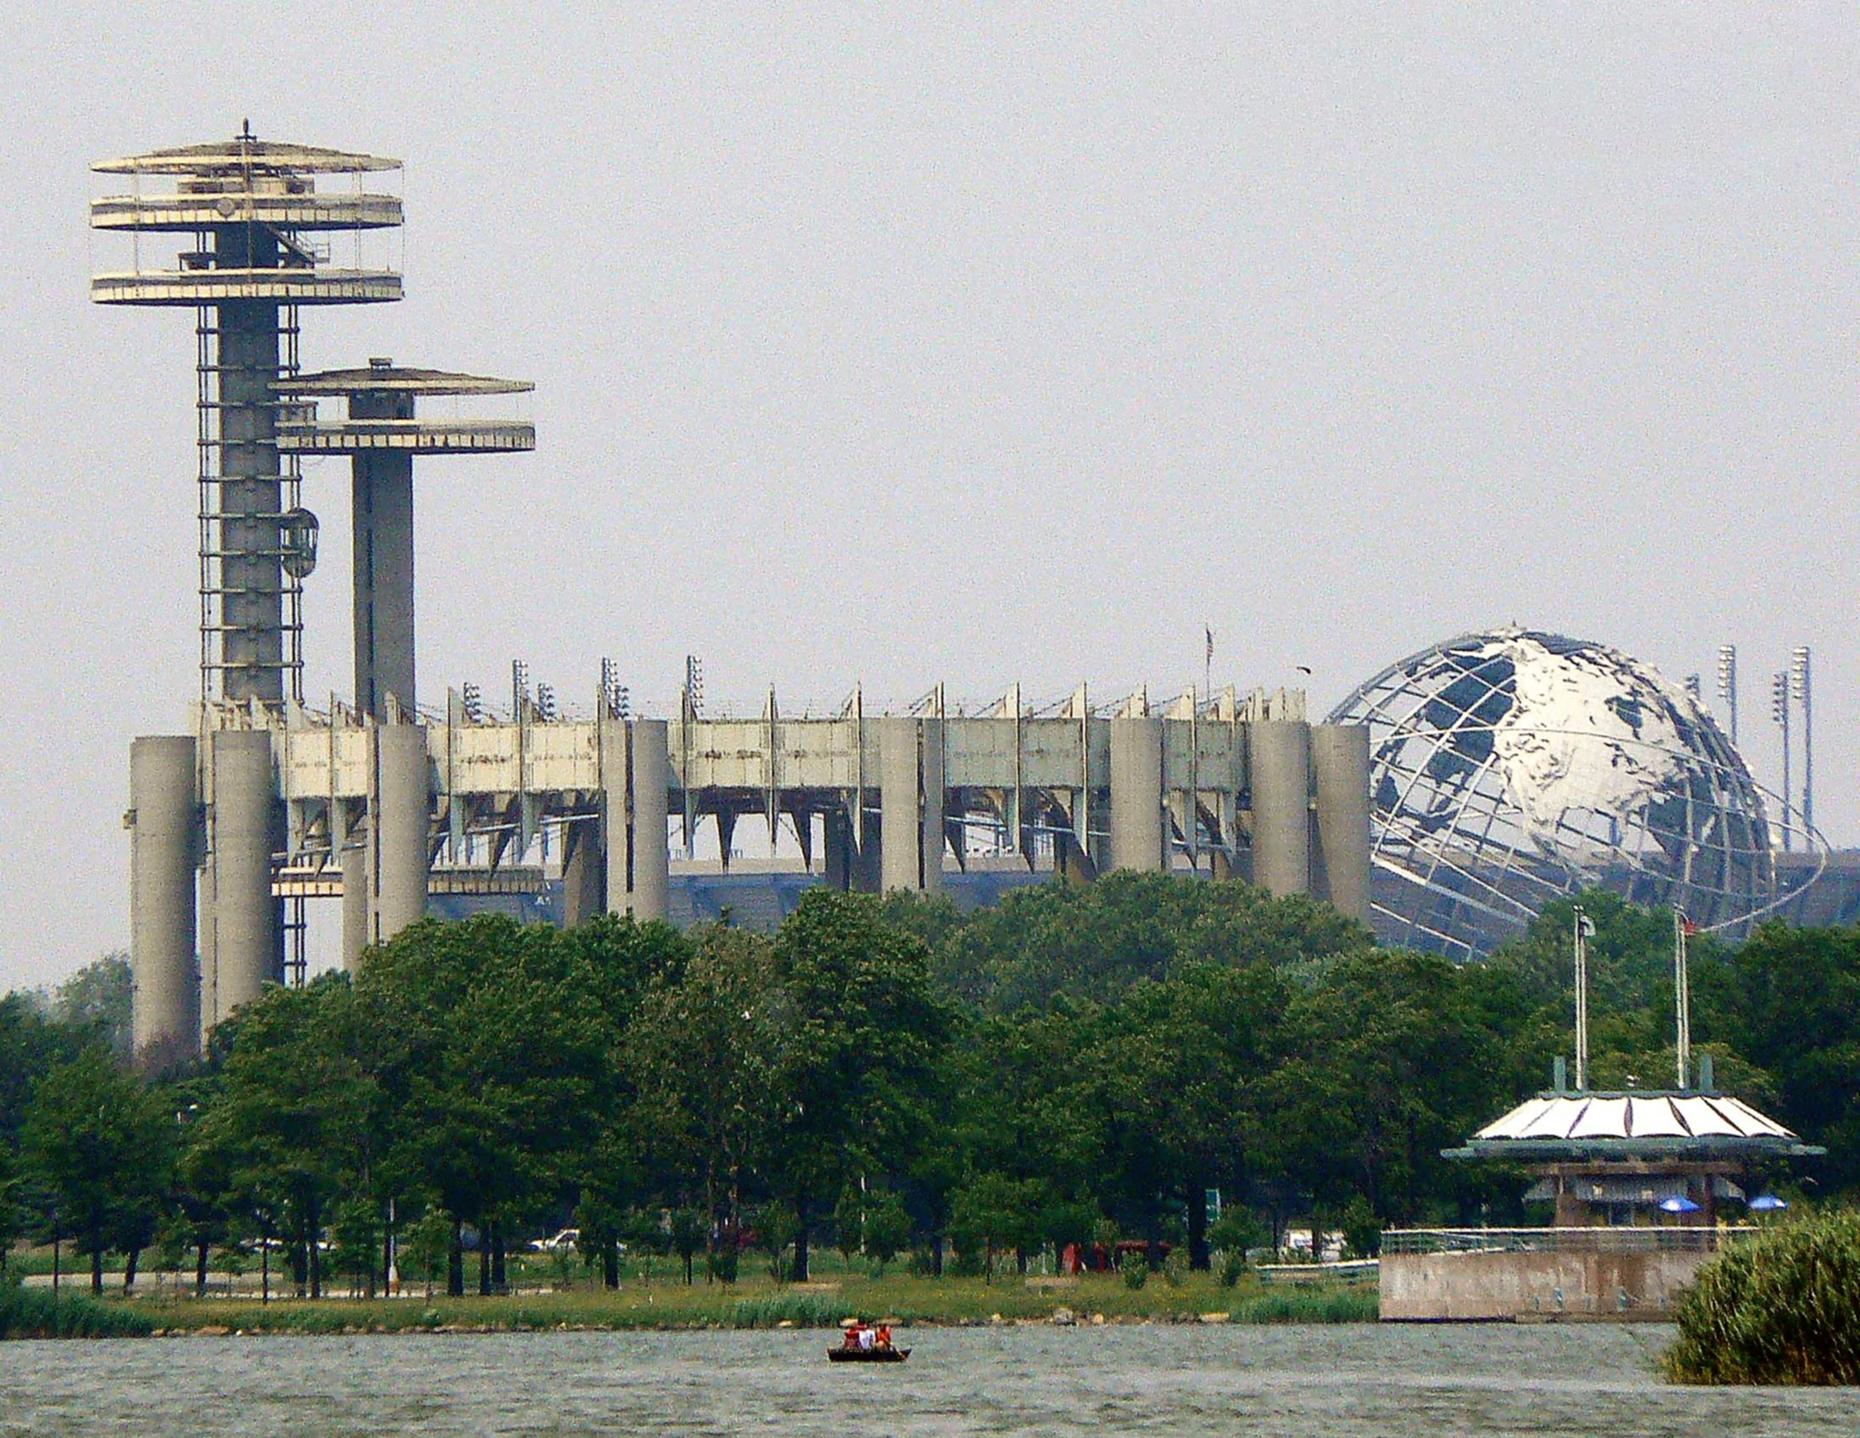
974,345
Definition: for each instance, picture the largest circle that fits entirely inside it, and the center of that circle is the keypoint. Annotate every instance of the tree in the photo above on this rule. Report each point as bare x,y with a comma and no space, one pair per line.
9,1204
1378,1069
298,1122
1793,1002
492,1045
31,1046
1093,942
992,1212
1175,1072
689,1232
887,1228
98,999
100,1145
697,1060
856,1031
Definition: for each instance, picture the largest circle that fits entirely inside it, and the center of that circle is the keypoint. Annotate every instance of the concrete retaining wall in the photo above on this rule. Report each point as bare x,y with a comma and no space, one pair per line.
1472,1287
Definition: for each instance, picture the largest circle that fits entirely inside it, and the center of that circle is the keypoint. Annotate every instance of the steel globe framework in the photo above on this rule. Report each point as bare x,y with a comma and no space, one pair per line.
1513,766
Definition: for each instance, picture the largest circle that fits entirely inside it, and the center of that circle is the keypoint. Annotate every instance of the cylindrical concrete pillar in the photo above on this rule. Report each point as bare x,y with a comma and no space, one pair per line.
383,598
354,904
1340,859
1279,771
250,579
399,830
652,782
1136,794
162,844
901,809
245,953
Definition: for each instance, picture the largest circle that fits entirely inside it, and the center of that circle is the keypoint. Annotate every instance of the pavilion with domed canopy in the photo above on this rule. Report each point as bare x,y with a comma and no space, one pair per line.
1640,1179
1670,1157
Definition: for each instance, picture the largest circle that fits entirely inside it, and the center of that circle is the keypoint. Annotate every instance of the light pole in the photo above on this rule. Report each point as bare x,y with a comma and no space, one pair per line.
1779,711
1727,685
1801,689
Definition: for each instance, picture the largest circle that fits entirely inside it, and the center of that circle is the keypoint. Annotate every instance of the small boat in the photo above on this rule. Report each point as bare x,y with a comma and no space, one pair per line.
867,1355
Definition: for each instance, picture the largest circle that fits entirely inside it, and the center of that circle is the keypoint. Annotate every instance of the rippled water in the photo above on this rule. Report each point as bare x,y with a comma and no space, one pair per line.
1359,1380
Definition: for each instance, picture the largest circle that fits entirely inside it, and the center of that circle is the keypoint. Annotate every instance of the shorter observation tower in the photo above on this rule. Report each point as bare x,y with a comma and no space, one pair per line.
385,850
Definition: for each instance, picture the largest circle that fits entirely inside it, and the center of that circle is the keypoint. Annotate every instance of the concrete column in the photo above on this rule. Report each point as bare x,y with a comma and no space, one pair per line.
162,844
868,867
616,811
836,848
1136,794
245,954
354,906
1279,770
931,838
250,572
398,830
584,875
1340,856
910,797
647,897
1070,862
383,598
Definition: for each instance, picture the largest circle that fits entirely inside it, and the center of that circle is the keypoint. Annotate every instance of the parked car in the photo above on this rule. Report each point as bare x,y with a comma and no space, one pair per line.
565,1239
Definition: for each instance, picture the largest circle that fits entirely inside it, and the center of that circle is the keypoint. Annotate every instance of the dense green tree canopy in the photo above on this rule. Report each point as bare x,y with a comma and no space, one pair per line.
1076,1063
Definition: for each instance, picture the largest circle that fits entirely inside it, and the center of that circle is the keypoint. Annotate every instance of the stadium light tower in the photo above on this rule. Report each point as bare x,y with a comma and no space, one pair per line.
1801,690
1727,685
1779,711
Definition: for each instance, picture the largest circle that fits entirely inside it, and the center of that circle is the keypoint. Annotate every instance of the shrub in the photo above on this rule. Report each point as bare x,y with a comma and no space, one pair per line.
38,1313
1783,1307
1311,1305
804,1310
1136,1273
1233,1265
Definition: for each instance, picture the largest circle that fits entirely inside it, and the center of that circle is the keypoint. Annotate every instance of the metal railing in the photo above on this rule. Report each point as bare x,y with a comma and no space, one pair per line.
1560,1240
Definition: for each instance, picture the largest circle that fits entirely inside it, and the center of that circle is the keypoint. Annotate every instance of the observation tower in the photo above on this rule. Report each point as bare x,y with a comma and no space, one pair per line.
386,863
254,216
252,230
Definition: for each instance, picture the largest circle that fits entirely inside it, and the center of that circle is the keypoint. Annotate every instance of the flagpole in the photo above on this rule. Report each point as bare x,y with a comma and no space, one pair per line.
1582,1004
1682,997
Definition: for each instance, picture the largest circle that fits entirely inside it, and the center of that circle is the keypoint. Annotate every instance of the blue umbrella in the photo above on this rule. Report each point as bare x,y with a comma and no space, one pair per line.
1678,1203
1766,1203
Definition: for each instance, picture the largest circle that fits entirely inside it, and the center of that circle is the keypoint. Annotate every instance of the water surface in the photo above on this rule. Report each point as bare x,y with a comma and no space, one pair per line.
1359,1380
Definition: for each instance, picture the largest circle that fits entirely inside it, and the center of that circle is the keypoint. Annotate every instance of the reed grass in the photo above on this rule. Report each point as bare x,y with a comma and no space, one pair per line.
1781,1308
39,1313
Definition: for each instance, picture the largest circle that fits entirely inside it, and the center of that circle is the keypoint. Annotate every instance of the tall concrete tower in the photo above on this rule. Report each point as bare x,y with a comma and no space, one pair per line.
251,227
384,845
254,215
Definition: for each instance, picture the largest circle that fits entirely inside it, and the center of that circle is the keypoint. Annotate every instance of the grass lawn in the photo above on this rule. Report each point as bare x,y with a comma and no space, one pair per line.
761,1303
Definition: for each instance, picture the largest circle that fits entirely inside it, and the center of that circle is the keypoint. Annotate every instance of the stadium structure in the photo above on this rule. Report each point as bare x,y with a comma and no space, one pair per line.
392,807
1513,766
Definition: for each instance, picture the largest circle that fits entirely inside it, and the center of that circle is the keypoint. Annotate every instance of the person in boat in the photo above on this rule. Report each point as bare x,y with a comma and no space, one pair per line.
866,1337
855,1335
883,1340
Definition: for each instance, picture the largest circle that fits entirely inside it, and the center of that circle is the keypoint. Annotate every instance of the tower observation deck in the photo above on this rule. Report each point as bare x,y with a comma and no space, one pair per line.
255,216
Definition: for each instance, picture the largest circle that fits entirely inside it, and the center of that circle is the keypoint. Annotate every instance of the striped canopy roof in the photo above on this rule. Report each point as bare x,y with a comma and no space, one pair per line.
1632,1125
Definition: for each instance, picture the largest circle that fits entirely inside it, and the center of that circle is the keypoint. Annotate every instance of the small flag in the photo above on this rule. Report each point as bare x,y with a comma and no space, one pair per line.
1210,631
1687,926
1585,926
